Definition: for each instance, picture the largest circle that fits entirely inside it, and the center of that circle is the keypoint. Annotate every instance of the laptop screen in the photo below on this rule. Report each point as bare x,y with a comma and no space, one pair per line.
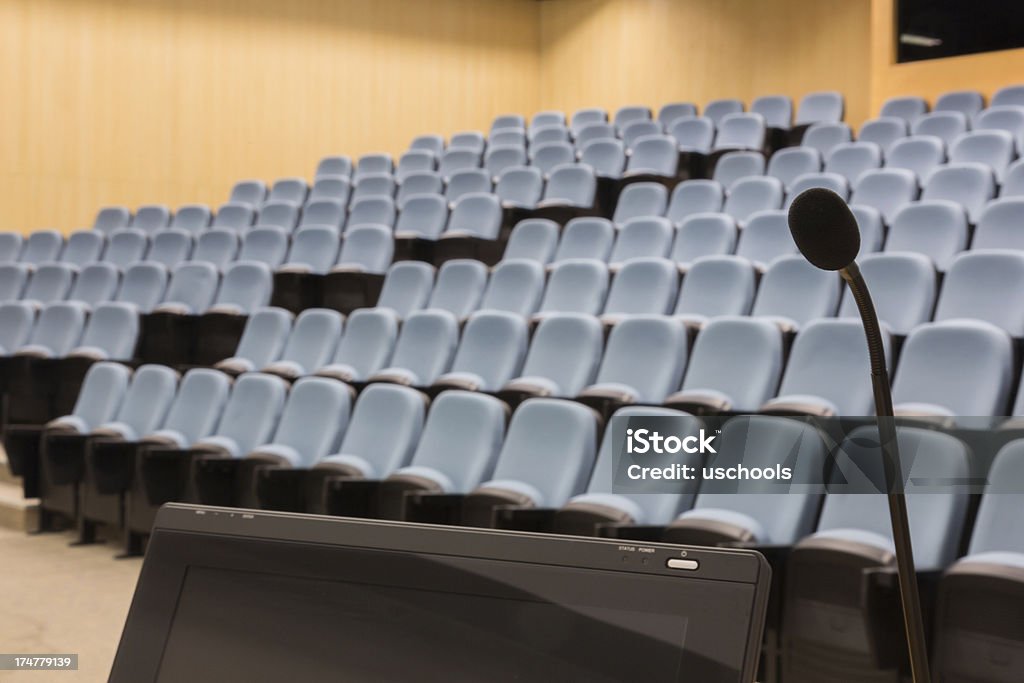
248,607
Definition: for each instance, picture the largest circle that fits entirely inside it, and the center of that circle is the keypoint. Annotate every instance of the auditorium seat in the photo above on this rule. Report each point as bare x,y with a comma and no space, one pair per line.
145,404
824,137
518,187
735,366
333,188
967,102
235,216
776,110
217,247
636,130
760,516
733,166
13,278
365,347
110,333
16,320
314,249
933,382
885,189
790,163
820,107
250,416
1000,225
337,166
457,159
195,410
592,132
267,246
501,157
883,131
365,249
985,285
936,228
971,184
383,432
673,111
829,181
472,230
642,286
585,117
694,134
143,286
640,200
976,633
42,246
716,285
415,161
171,247
457,449
993,148
717,110
765,238
606,157
101,396
82,248
547,118
407,286
324,213
751,195
420,224
373,163
294,190
793,292
429,143
10,246
546,158
908,108
50,282
428,182
563,357
311,344
111,218
424,350
703,234
262,341
743,131
653,157
151,218
507,137
371,211
642,237
842,574
644,359
279,214
692,197
546,459
1011,95
490,353
872,230
852,159
570,190
125,247
459,286
250,192
515,286
534,239
921,154
95,284
945,125
245,287
630,114
586,238
192,218
1007,118
907,286
466,182
601,506
550,133
472,140
373,185
1013,181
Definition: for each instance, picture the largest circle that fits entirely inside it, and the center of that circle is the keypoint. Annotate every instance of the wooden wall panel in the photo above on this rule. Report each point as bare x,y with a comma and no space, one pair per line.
616,52
986,72
135,101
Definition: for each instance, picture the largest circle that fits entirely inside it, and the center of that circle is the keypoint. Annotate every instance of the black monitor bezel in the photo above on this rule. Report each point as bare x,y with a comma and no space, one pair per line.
152,609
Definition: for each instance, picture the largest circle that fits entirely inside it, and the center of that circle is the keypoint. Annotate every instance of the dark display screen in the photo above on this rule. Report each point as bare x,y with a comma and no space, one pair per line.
929,29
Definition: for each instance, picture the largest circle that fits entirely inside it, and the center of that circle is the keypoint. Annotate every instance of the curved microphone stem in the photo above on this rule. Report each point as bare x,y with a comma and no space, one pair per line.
913,622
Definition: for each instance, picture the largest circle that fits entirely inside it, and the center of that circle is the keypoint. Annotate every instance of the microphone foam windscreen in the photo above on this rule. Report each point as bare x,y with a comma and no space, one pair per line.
824,229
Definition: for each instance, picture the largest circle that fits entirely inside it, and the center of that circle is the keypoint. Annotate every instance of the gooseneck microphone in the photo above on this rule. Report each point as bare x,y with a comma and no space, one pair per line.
826,233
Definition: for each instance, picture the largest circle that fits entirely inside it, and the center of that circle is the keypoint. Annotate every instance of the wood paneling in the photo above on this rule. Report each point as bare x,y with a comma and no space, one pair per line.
986,72
617,52
135,101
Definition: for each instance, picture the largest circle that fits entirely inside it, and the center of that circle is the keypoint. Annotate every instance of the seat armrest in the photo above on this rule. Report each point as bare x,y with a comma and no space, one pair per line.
706,532
796,408
698,403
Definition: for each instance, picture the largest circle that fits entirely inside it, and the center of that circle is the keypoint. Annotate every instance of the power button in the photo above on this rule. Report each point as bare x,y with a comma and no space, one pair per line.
689,565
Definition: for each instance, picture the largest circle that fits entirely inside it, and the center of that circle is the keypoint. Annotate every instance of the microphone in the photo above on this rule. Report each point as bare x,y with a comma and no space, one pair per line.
826,233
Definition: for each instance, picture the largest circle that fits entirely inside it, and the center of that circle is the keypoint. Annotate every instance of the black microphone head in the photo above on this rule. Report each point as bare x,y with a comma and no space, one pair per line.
824,228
